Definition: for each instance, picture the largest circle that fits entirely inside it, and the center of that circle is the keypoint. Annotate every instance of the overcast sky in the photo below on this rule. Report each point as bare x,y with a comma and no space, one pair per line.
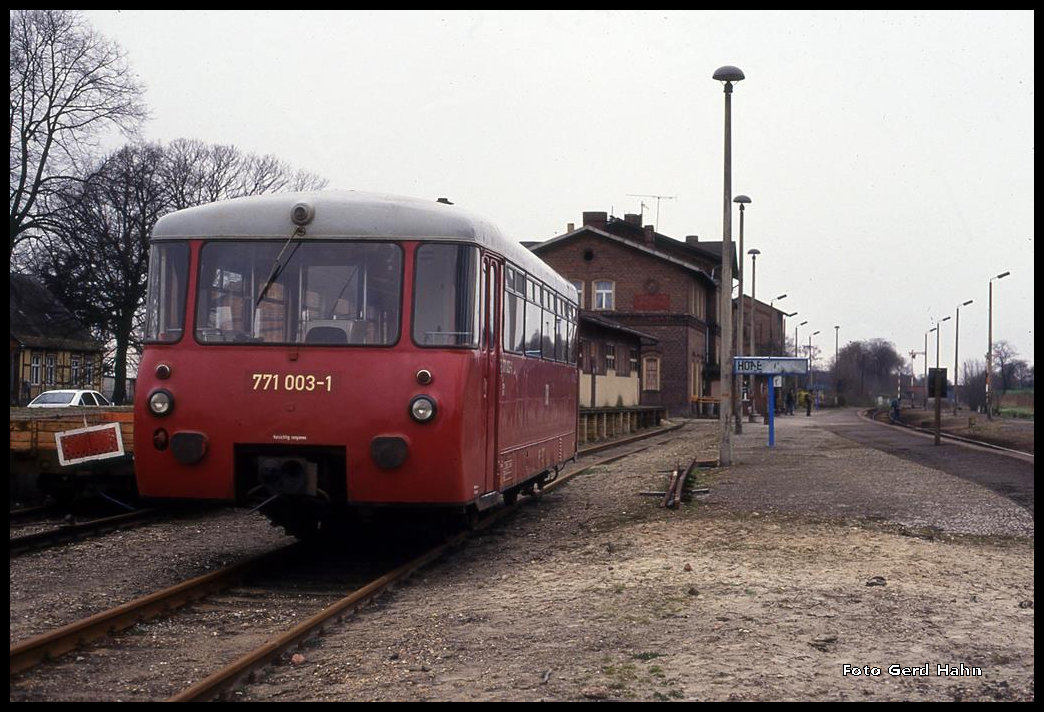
888,155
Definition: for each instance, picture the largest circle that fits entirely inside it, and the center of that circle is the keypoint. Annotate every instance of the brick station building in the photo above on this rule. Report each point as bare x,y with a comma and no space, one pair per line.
652,283
666,288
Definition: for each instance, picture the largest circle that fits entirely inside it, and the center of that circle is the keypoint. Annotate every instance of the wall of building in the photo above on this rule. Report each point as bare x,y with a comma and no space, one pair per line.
610,390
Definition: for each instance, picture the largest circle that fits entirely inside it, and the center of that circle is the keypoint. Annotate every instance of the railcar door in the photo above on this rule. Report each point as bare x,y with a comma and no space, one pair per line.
490,350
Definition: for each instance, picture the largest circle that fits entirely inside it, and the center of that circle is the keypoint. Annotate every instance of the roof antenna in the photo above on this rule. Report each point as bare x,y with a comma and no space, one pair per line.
658,199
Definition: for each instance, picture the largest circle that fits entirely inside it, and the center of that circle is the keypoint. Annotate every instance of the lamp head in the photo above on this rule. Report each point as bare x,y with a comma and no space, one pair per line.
742,200
728,73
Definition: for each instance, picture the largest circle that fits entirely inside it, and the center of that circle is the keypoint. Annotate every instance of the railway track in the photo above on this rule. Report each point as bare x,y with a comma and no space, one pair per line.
882,416
65,532
174,619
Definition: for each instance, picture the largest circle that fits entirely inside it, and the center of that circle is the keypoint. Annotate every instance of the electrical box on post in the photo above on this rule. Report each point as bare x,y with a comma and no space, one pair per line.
937,382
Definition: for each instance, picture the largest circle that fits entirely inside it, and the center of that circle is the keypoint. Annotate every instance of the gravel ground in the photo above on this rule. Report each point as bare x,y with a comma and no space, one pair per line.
796,563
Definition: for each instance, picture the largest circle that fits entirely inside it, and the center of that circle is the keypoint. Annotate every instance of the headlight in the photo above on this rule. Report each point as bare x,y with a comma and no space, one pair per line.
422,409
161,402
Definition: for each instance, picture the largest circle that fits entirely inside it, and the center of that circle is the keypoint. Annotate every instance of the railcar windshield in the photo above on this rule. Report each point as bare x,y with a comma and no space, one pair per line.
303,292
446,296
167,289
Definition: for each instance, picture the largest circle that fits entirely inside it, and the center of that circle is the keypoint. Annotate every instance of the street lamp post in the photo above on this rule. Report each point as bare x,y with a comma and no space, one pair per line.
989,352
938,381
925,404
753,284
956,339
810,358
742,200
772,322
753,308
783,338
938,336
837,383
795,337
727,75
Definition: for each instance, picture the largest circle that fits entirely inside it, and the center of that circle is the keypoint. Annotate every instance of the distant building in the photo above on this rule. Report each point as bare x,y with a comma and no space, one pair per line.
50,349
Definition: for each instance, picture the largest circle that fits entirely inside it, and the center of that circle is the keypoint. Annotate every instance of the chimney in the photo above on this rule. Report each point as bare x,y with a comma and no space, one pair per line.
650,235
596,219
632,219
692,239
570,227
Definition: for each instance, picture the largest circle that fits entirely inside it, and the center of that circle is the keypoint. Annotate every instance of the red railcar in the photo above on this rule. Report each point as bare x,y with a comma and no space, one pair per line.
330,352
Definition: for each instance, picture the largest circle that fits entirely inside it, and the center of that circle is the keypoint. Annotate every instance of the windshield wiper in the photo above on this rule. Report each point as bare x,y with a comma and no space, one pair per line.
277,266
340,294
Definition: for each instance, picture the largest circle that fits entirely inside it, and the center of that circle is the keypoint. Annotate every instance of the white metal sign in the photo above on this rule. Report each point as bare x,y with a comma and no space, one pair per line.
97,442
757,365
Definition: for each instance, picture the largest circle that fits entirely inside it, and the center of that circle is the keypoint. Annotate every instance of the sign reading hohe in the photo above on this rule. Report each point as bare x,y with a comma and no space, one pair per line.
756,365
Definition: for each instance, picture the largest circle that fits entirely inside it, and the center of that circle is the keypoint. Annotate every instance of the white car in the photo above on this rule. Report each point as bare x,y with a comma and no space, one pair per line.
68,399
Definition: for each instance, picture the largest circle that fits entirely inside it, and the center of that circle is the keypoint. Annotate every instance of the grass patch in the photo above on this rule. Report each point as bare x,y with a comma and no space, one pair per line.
646,656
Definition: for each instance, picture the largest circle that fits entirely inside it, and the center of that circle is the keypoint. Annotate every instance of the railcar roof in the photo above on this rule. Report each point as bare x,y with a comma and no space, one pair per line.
350,214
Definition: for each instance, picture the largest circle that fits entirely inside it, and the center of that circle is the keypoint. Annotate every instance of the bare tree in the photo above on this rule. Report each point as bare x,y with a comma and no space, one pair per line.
268,174
96,262
94,257
973,383
1013,371
1021,373
867,369
68,83
182,176
196,173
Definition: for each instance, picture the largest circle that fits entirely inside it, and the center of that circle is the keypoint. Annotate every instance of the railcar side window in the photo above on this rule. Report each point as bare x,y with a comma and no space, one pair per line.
534,320
514,311
538,321
322,293
561,324
446,295
549,332
168,282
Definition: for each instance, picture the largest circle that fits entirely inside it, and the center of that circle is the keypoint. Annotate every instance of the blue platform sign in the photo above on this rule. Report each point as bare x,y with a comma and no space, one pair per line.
769,366
761,365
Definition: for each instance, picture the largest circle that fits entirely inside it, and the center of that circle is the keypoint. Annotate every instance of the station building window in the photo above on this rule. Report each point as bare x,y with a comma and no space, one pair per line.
603,295
580,291
651,373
